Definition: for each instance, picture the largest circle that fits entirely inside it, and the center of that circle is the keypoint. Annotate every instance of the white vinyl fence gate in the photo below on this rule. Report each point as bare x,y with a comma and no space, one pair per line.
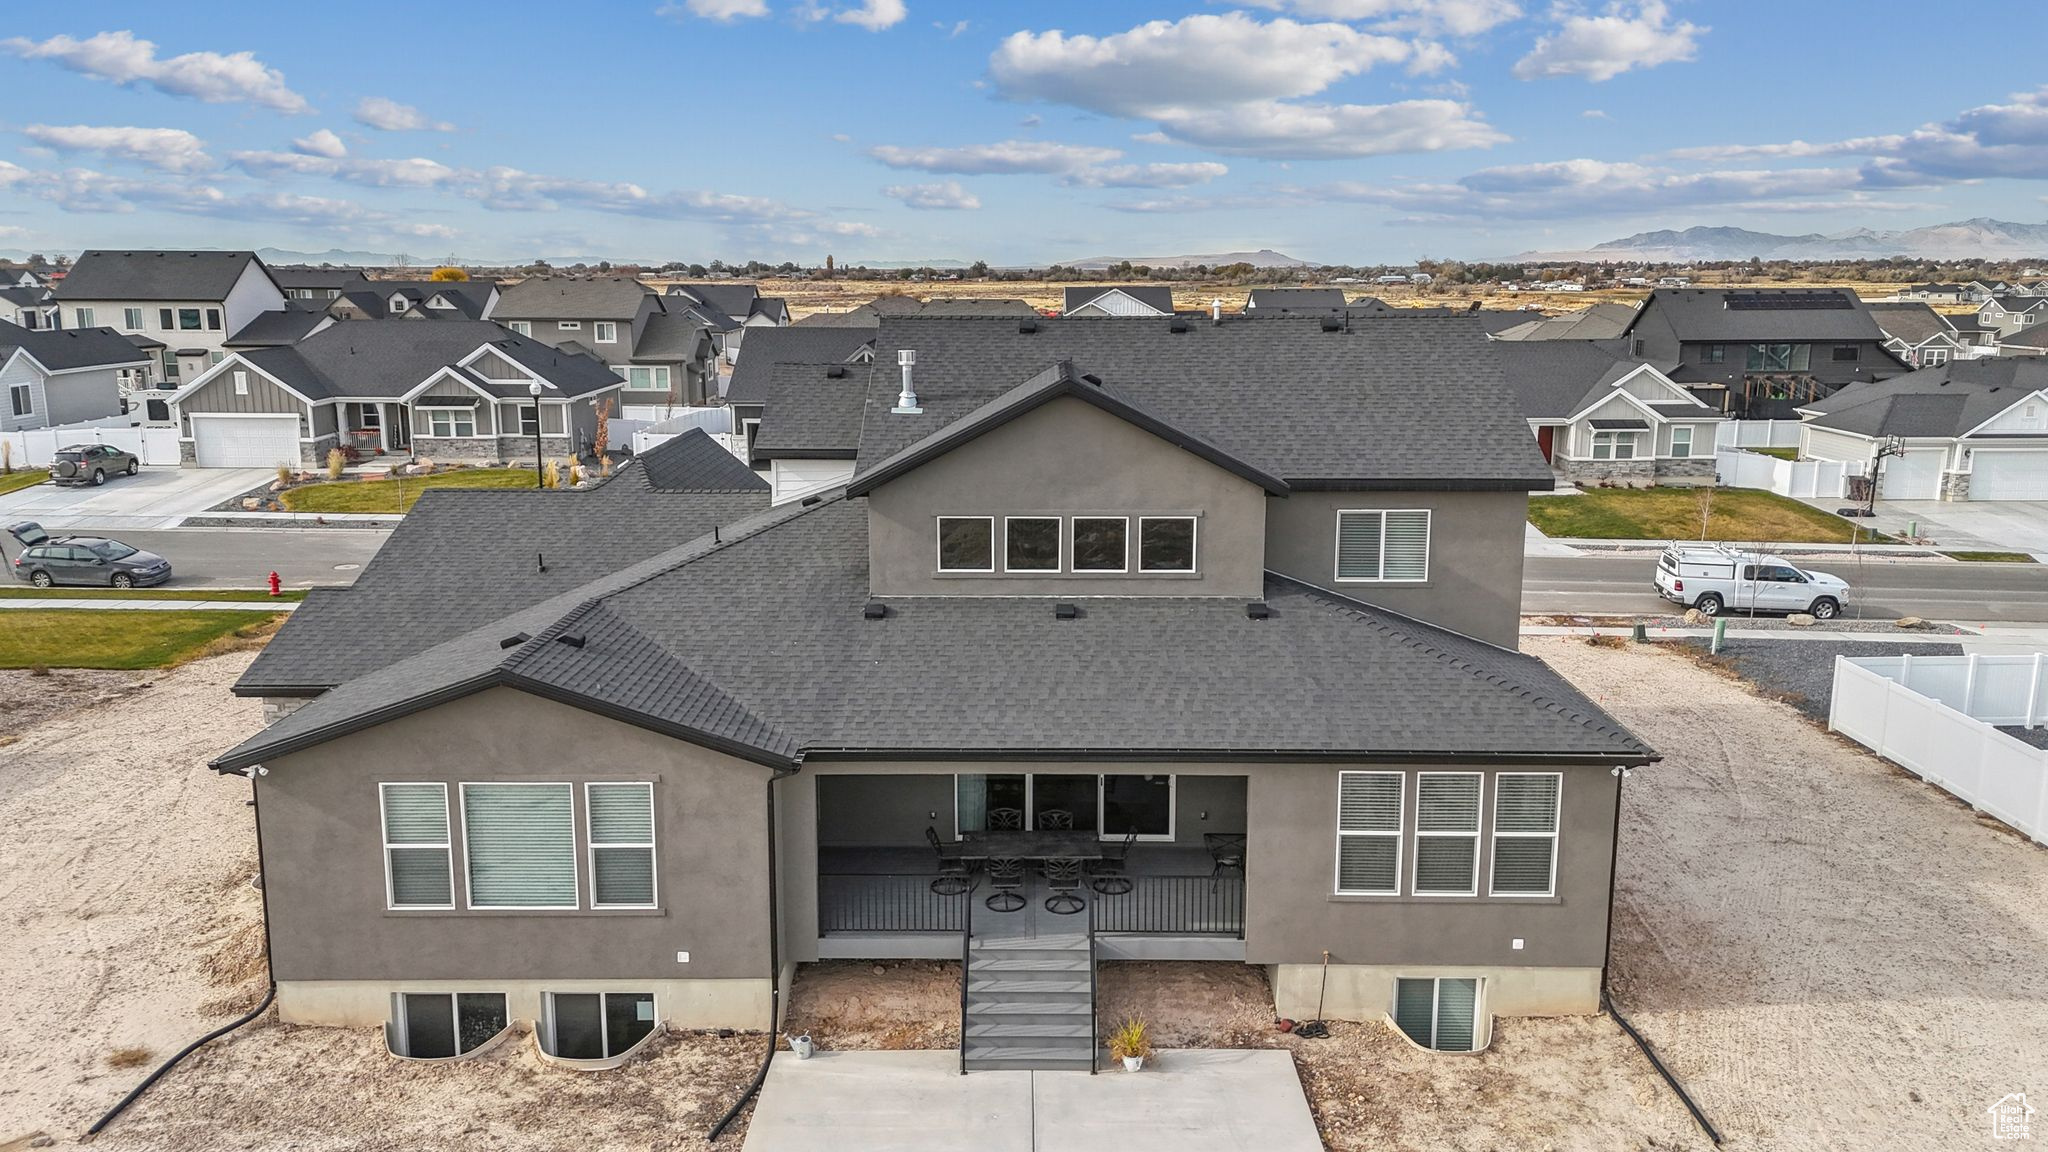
715,421
1800,479
1757,434
36,447
1934,716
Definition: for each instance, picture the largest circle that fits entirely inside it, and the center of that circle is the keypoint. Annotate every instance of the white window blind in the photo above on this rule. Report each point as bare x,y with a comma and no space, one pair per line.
1440,1013
1369,833
621,844
1447,833
1383,545
1525,833
416,851
520,844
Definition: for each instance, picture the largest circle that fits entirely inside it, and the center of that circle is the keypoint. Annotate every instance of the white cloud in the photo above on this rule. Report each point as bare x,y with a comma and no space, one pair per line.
1565,189
1432,17
424,231
1623,38
2008,140
874,15
723,11
321,143
953,32
390,116
1232,83
417,172
949,196
1008,158
170,149
1148,175
1430,58
1594,114
212,77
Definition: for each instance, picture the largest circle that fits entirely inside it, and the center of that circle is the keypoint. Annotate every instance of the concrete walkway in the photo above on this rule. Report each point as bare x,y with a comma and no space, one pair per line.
1186,1100
116,604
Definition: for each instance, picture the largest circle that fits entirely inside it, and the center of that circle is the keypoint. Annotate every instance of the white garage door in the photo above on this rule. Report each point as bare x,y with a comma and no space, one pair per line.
245,441
2015,475
1914,476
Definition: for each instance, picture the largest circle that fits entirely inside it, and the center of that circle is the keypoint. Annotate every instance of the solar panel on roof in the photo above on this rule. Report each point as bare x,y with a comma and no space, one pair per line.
1787,301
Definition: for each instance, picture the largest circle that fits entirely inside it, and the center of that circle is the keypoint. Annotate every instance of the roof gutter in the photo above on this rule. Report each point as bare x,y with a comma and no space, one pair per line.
232,762
684,732
1226,756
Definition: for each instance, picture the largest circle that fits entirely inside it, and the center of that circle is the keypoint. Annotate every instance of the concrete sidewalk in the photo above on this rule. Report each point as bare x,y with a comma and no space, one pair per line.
116,604
1985,639
1186,1100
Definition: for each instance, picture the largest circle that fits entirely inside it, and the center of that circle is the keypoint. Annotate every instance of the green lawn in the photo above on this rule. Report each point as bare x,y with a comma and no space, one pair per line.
63,593
16,481
1739,514
83,638
1992,557
391,496
1780,453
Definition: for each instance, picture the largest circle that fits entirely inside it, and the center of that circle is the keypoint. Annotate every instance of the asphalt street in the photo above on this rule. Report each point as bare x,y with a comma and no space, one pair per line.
245,557
1884,589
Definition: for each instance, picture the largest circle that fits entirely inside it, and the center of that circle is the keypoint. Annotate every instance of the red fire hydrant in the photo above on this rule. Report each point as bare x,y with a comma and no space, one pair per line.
276,585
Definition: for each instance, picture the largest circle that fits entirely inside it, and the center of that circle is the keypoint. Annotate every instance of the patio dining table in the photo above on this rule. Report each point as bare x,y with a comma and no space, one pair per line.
1003,844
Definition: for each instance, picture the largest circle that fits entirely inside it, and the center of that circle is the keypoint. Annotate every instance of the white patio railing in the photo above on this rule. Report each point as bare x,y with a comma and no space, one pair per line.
1934,716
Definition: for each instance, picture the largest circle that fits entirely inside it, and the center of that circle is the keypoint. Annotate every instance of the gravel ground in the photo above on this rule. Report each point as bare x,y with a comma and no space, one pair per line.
27,699
2038,737
1827,952
1802,672
1759,623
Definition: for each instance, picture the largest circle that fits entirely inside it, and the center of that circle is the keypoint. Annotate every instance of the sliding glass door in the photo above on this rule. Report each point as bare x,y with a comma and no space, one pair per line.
1113,806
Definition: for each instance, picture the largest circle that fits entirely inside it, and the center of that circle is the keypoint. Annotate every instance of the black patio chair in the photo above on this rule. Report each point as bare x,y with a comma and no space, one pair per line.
1006,819
1226,854
1106,875
1063,880
1055,820
953,876
1006,876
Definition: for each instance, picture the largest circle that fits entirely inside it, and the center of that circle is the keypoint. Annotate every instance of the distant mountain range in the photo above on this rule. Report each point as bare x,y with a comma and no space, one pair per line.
1263,258
1978,238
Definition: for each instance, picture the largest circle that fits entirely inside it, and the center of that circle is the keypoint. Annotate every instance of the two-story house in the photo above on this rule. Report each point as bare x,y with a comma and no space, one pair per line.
1918,335
1758,353
30,306
191,301
2010,314
664,354
1079,664
321,282
54,377
729,311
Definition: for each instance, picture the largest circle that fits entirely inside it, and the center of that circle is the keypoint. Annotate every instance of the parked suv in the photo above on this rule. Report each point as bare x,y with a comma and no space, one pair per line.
91,464
1717,580
46,560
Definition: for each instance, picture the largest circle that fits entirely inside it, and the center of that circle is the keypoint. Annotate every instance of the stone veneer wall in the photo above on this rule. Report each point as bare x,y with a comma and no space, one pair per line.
1955,485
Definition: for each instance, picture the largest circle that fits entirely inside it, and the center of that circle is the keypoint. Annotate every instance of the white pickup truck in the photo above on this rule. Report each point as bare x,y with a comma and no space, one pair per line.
1716,580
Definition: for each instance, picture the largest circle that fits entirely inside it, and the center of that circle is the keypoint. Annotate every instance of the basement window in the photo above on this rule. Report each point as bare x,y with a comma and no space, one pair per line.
967,544
437,1025
1438,1013
597,1025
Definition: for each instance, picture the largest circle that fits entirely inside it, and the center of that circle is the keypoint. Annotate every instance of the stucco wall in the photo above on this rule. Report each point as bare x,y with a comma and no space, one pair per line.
324,869
1068,458
1475,555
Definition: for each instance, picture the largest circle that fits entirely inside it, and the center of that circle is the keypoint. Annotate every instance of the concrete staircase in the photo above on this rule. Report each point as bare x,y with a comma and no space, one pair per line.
1030,1004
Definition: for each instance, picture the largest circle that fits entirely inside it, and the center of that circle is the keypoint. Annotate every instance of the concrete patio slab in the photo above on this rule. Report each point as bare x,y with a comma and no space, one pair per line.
1186,1100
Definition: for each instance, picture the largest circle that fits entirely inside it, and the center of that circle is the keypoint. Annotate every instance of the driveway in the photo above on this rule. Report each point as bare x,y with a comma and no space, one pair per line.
1186,1100
1974,526
152,498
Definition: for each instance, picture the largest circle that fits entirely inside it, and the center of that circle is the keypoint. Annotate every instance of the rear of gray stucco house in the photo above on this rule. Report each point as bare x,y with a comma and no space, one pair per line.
455,390
50,378
1067,588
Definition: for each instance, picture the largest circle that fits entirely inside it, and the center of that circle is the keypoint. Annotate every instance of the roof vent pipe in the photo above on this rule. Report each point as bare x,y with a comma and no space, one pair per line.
1216,310
906,400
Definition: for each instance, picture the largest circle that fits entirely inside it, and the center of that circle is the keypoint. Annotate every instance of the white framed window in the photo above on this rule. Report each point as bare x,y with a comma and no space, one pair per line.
967,543
596,1025
519,845
620,827
418,858
1447,833
1031,543
647,378
1438,1012
437,1025
1681,440
1933,357
1386,545
570,325
215,357
604,332
1369,833
131,319
1166,543
20,400
1614,445
1100,544
398,303
520,327
1525,833
83,316
529,420
451,422
241,382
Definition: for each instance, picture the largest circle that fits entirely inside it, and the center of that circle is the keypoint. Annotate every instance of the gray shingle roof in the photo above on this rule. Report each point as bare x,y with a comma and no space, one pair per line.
671,336
735,300
1159,296
1389,402
1910,320
767,347
469,297
1603,321
1555,379
572,298
1706,314
391,357
692,462
676,642
811,414
280,326
67,348
25,297
127,274
1948,400
308,276
1299,299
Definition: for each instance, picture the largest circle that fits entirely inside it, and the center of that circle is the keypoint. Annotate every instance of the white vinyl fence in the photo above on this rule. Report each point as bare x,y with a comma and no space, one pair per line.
715,421
35,447
1940,727
1805,479
1757,434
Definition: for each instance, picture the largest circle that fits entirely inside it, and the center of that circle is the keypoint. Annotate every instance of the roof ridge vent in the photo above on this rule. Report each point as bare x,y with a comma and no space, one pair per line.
514,640
1065,611
572,639
1027,326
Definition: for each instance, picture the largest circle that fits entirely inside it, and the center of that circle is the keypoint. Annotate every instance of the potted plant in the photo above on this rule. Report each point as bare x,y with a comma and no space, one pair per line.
1131,1042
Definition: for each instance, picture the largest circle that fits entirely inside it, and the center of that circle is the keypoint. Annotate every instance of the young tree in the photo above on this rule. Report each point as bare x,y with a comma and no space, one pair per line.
603,441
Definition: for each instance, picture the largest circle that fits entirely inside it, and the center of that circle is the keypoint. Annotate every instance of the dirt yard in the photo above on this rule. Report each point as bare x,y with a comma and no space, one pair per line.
131,928
1829,953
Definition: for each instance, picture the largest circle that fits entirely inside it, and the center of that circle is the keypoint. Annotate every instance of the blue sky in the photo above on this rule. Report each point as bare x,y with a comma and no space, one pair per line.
1354,131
